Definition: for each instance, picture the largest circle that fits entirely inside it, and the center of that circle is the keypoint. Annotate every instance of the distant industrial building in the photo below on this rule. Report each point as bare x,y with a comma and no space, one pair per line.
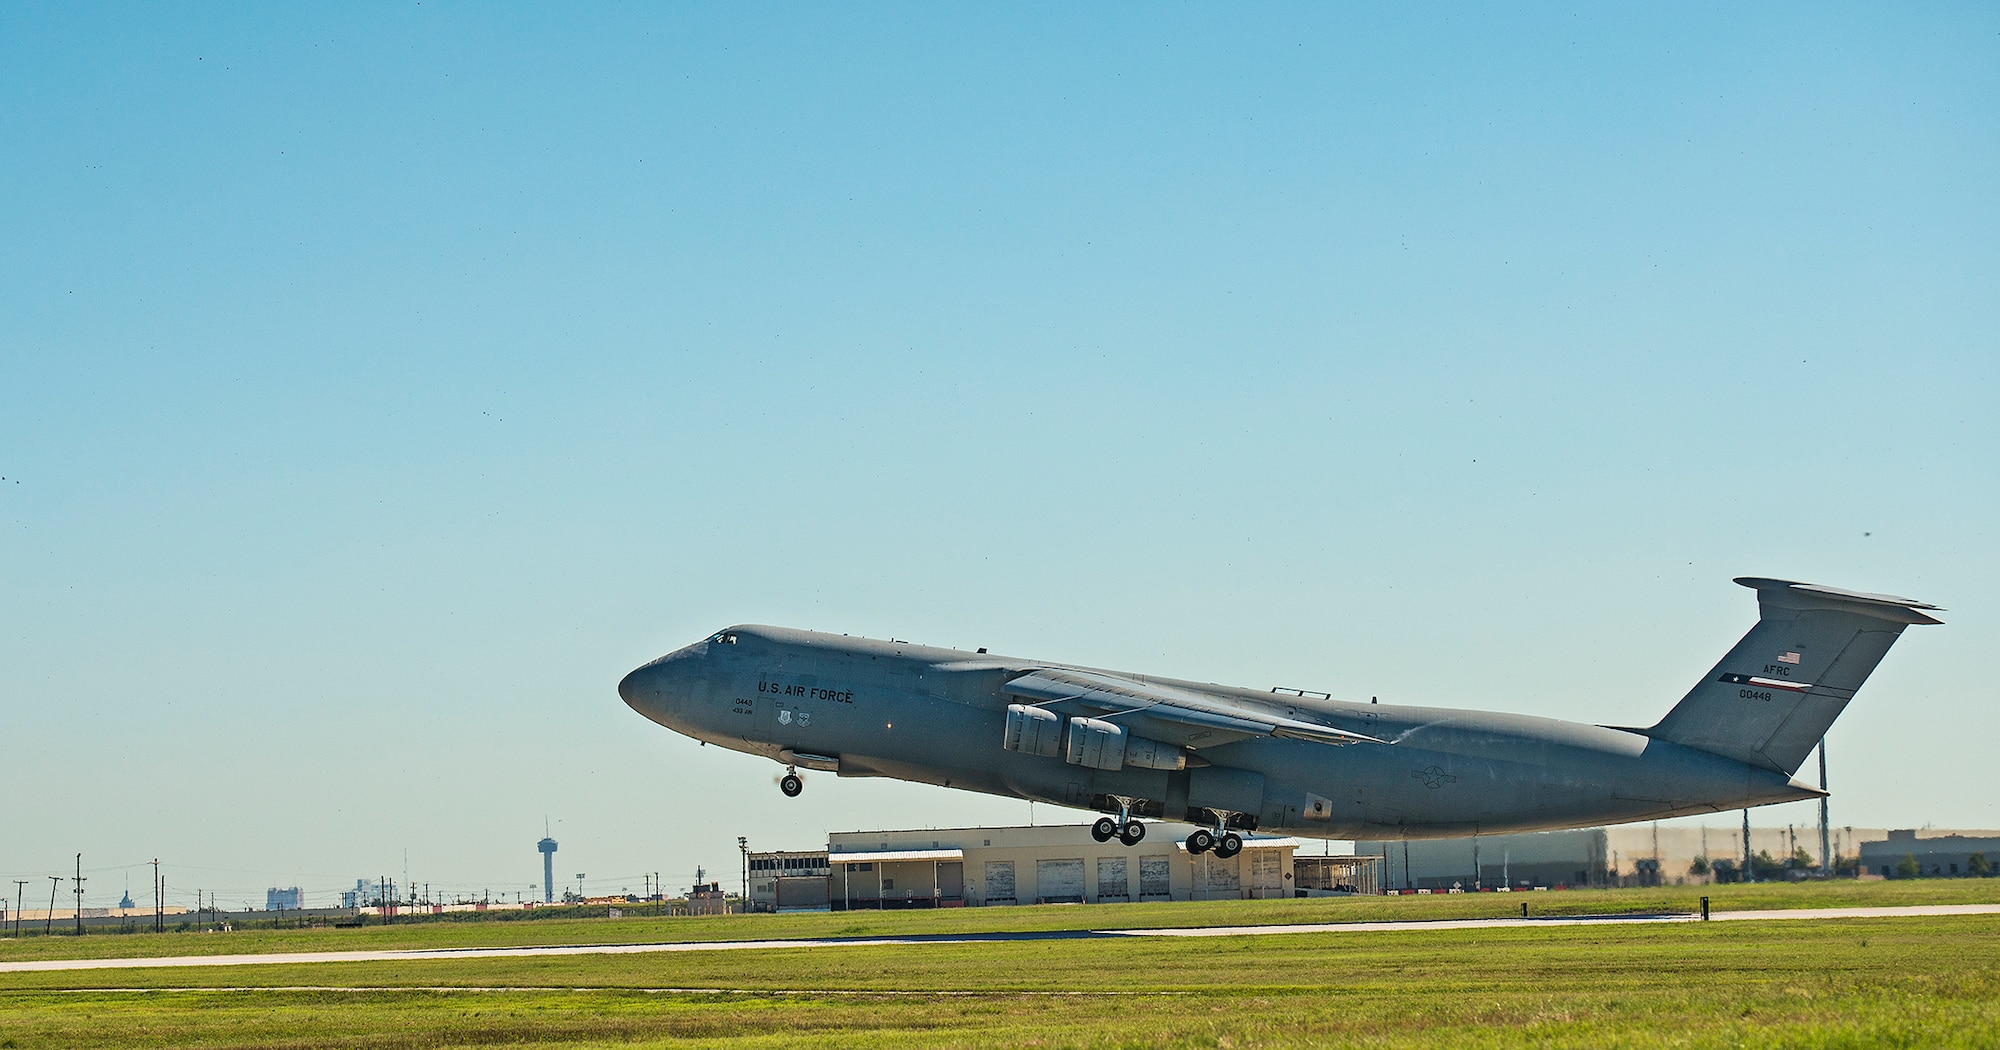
707,898
1938,854
289,899
975,867
369,893
790,880
1652,855
1537,859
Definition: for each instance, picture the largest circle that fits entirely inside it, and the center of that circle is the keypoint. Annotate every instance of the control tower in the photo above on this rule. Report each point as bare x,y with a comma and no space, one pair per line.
548,848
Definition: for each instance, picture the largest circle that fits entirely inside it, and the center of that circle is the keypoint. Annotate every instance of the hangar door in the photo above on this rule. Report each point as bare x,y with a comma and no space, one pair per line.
1111,882
1267,873
999,881
1156,878
803,892
1059,881
1221,879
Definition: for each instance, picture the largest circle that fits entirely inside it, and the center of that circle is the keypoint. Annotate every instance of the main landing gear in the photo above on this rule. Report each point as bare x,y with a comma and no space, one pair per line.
791,783
1223,841
1125,829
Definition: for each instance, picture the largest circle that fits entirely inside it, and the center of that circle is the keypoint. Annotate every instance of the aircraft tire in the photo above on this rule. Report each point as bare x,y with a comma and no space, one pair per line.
1104,829
1231,845
1200,841
1132,833
791,784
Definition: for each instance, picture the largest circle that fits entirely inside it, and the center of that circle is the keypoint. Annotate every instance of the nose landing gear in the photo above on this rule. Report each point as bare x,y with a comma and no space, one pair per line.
1125,829
791,783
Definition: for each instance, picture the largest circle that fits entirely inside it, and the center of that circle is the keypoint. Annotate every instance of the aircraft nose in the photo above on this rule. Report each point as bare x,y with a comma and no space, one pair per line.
633,688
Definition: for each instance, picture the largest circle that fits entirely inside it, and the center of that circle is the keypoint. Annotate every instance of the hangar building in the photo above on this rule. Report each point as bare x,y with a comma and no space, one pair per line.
974,867
1543,858
1938,854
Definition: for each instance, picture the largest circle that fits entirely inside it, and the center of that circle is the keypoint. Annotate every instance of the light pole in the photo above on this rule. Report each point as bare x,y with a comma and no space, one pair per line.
743,847
579,886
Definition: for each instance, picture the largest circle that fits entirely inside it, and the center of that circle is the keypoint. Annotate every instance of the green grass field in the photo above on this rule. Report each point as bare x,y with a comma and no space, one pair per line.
1866,982
644,929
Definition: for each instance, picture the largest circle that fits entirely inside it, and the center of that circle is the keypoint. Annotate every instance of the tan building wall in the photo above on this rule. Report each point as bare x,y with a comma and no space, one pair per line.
1055,863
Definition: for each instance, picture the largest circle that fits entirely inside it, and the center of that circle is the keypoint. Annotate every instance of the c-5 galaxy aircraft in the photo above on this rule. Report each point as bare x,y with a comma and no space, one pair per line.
1303,763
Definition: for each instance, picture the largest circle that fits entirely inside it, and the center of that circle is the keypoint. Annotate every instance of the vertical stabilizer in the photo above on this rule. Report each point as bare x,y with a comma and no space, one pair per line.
1771,699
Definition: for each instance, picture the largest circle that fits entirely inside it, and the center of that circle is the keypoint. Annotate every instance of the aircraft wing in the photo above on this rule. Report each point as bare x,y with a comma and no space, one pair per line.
1178,716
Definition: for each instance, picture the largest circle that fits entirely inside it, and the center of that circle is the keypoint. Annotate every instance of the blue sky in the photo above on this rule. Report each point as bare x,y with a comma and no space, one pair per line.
378,384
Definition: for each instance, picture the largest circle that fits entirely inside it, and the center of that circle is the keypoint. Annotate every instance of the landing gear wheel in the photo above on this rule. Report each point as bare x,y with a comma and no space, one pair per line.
1132,833
1104,829
1231,845
791,784
1200,841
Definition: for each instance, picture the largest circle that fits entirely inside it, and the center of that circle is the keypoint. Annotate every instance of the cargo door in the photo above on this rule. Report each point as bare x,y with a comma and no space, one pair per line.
1266,873
803,892
1111,884
1059,881
999,882
1222,879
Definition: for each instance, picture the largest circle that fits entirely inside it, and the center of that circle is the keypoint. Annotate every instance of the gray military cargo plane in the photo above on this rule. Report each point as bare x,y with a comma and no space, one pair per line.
1304,763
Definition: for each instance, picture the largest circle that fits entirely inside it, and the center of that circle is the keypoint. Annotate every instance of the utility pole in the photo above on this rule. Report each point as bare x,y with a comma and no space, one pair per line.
1825,832
156,894
79,895
20,901
49,920
743,847
1746,844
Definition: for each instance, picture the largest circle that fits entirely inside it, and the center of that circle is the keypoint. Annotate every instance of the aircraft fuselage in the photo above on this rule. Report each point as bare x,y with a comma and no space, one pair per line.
862,707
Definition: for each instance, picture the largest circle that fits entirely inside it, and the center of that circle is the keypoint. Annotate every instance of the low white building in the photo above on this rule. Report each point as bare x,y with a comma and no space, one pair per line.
974,867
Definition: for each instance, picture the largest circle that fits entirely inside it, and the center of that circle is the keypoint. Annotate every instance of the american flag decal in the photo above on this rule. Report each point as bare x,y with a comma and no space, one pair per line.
1788,658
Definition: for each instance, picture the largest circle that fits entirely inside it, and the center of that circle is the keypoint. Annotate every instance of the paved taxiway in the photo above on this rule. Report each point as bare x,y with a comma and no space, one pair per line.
421,954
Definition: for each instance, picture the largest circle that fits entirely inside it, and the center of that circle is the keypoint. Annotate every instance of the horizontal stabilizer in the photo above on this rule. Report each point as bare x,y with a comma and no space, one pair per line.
1771,699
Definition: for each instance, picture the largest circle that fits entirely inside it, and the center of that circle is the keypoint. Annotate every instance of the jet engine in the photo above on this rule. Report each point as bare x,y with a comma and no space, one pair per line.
1033,731
1090,742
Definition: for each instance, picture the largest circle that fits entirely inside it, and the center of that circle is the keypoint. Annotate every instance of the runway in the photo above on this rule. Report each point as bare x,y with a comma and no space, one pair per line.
425,954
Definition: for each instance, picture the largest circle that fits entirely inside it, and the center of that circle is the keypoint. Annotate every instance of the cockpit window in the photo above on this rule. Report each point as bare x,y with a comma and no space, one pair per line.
725,638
